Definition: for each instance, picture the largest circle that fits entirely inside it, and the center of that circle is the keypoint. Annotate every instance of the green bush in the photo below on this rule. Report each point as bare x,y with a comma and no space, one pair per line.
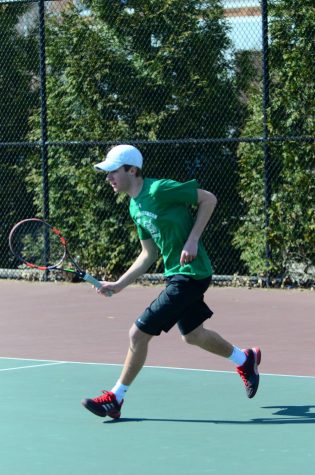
290,234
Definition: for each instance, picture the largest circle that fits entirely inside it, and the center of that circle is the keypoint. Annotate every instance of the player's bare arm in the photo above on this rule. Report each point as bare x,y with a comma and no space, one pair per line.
206,204
146,258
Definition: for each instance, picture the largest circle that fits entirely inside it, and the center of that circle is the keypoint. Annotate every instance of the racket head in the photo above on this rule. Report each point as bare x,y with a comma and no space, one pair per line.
37,244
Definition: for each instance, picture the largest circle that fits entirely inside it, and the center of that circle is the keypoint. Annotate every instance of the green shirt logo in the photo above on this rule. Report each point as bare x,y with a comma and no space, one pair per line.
161,212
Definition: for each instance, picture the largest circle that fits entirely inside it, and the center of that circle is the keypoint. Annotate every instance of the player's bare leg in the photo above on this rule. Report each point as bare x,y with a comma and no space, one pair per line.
210,341
136,355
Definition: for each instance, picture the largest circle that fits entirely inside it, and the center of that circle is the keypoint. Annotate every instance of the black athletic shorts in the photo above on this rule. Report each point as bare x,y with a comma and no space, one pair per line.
180,302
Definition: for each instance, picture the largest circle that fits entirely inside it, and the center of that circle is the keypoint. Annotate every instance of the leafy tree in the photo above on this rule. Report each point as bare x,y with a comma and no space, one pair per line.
18,97
126,71
291,113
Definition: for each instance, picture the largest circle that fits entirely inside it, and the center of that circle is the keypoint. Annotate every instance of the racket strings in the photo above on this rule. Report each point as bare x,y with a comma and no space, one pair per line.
37,244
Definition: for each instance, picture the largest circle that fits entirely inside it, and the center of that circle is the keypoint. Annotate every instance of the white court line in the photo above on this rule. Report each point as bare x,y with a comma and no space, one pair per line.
151,367
30,366
30,359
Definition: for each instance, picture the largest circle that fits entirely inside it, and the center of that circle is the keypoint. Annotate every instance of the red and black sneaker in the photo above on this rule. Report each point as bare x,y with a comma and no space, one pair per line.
104,405
249,371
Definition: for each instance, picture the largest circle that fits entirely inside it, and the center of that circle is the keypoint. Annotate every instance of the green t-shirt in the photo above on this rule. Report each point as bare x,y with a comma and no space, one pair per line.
161,212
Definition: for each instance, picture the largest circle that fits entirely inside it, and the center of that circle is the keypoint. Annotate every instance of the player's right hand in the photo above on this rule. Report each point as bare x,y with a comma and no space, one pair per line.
108,288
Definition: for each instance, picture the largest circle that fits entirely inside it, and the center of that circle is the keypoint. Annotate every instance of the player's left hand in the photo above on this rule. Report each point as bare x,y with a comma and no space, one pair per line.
189,252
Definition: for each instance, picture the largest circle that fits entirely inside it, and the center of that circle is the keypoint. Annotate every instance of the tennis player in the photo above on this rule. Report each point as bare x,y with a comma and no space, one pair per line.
160,211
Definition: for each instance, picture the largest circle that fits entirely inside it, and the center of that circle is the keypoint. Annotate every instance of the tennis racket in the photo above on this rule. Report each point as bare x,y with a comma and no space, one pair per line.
41,246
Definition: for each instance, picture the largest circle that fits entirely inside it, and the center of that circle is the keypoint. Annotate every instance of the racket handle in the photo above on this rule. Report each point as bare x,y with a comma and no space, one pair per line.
89,278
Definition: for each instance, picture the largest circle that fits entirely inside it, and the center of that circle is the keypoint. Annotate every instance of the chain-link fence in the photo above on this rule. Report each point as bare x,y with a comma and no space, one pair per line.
220,91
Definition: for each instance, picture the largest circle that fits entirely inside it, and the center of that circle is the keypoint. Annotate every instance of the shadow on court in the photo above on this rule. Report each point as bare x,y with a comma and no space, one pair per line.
296,415
180,422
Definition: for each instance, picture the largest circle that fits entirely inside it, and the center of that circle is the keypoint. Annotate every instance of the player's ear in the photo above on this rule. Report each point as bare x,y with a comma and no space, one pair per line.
133,170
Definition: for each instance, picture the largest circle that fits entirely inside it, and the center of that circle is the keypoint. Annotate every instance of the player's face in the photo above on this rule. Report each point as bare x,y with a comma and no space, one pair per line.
119,180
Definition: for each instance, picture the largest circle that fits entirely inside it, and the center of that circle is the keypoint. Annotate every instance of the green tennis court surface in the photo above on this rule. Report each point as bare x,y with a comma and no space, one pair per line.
174,421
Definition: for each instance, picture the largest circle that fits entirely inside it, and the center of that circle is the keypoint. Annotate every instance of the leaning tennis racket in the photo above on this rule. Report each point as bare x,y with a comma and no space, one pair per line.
41,246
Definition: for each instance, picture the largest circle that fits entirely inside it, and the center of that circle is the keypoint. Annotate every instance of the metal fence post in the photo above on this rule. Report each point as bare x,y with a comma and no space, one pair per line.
43,121
266,145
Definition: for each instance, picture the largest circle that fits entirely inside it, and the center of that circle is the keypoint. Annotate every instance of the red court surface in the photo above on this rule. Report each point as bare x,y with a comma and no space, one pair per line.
70,322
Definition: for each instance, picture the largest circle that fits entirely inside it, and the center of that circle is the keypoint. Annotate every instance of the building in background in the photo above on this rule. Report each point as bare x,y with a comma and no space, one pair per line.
244,18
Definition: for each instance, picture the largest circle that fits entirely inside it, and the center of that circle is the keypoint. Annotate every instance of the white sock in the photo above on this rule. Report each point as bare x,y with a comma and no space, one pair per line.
119,390
238,356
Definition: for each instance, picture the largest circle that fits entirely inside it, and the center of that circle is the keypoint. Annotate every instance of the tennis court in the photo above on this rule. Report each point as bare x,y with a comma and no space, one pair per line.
186,413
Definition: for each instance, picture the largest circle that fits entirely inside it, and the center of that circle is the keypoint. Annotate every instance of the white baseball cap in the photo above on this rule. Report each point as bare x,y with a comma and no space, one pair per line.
119,156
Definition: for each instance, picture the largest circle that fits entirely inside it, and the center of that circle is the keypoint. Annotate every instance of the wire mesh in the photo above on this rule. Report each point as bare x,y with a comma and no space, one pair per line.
220,91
